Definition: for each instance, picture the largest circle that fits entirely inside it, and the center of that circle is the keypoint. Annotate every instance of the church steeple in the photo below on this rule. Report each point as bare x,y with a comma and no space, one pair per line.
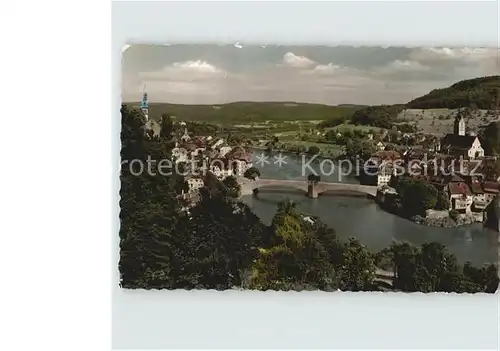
186,136
459,125
145,104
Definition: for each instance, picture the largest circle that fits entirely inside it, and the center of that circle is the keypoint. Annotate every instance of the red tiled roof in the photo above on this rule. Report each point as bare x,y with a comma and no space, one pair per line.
456,179
491,187
388,155
240,155
188,146
476,188
459,188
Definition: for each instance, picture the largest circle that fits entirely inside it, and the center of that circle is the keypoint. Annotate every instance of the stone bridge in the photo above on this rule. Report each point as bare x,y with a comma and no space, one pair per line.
313,189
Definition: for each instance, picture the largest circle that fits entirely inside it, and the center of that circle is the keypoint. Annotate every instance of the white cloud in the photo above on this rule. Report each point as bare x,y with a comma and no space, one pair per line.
193,66
404,66
189,71
329,68
292,60
446,54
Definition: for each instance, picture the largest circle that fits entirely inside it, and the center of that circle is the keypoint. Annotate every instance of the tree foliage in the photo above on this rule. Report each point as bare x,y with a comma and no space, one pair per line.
377,116
252,173
431,268
219,243
491,138
235,112
359,148
478,93
416,196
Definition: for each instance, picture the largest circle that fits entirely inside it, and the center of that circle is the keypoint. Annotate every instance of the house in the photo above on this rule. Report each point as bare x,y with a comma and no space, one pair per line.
183,152
180,154
438,181
431,143
385,173
460,145
152,129
223,150
380,168
461,197
220,168
489,170
198,151
479,199
240,160
215,143
380,146
491,190
194,184
467,146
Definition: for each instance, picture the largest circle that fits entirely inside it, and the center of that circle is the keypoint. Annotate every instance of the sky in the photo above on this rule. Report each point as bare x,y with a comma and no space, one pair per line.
216,74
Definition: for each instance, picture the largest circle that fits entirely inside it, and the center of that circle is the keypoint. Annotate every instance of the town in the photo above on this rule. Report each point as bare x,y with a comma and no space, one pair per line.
456,166
466,180
199,155
418,211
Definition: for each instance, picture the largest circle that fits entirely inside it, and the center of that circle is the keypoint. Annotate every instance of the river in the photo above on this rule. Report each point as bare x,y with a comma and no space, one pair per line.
362,218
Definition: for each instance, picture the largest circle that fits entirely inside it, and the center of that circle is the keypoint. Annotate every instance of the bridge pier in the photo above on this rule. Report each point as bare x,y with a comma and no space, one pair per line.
312,190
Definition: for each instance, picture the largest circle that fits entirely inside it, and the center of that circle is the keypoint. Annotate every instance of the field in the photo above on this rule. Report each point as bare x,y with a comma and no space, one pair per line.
343,127
440,120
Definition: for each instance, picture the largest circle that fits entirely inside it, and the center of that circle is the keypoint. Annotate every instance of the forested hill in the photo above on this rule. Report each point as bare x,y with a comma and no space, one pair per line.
478,93
482,93
245,112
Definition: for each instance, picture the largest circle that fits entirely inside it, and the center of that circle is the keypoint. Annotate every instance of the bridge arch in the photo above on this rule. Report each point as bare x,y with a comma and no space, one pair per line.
319,188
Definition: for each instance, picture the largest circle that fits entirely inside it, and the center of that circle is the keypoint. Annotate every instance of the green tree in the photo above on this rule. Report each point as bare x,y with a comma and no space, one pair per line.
357,270
219,242
417,196
443,201
297,257
232,186
491,138
252,173
306,254
431,268
150,211
313,150
484,278
361,148
167,126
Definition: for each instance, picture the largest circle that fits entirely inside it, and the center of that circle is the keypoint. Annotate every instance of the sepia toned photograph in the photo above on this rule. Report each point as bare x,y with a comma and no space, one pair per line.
302,168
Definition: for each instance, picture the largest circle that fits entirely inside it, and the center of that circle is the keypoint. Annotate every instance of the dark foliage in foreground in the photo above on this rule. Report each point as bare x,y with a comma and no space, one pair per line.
221,244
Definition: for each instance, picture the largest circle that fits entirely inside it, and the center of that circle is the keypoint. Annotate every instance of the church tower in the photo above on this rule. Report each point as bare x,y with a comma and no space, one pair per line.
145,105
459,125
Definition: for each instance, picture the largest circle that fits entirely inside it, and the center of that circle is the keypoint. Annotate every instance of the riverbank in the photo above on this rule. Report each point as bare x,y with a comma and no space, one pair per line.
322,154
445,222
432,218
363,219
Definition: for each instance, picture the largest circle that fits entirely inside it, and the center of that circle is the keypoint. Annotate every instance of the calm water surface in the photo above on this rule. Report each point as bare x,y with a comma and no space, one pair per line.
361,218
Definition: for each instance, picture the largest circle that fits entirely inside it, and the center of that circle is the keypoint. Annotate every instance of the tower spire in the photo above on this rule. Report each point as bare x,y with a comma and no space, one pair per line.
145,103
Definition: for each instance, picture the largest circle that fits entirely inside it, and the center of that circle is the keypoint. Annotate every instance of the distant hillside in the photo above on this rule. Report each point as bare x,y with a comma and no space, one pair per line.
250,111
478,93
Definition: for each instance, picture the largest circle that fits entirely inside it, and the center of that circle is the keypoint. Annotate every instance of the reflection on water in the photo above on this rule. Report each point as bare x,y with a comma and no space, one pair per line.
363,219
